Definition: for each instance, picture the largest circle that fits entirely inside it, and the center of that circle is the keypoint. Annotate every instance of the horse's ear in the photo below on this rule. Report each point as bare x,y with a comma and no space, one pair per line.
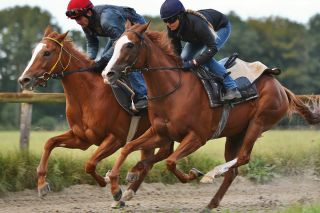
143,28
47,31
61,37
128,24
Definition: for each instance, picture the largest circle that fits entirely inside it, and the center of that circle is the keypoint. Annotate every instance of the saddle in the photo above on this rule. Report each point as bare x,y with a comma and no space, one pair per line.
125,95
244,74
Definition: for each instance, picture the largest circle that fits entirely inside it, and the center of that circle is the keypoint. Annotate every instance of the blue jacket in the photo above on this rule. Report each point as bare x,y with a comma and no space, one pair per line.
108,21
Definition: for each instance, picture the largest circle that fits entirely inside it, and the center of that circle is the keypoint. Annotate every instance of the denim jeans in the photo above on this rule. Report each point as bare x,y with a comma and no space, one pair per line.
136,79
191,50
114,18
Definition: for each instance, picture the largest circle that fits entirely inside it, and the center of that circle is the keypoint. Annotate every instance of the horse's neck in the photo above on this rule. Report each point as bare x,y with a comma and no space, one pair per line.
81,86
158,81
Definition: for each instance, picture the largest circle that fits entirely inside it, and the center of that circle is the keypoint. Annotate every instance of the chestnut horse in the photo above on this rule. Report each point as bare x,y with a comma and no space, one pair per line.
94,115
179,110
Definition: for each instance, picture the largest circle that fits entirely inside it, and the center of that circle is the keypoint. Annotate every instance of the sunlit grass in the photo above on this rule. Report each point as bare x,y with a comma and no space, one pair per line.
274,142
279,142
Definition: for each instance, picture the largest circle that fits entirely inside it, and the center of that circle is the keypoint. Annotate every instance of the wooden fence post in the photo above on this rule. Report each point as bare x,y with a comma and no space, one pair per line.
26,98
25,124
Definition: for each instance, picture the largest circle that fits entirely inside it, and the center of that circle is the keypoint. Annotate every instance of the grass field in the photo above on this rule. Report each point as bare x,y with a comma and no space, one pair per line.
284,152
274,142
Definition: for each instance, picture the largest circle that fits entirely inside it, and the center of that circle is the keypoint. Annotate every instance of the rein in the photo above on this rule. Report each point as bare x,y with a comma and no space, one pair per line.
147,69
131,68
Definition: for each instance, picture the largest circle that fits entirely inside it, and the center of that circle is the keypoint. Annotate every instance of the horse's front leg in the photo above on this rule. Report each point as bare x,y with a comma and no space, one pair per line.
140,170
109,146
149,140
188,145
66,140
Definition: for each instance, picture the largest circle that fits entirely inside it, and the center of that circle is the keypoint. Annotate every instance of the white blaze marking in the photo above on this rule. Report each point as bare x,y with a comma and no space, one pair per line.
35,53
116,54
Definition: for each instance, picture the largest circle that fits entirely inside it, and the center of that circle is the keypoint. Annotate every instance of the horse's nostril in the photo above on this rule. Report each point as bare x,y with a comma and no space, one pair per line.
110,74
25,80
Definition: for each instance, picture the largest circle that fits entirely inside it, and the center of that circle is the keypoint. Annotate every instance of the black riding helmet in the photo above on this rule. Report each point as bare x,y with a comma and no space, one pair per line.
170,10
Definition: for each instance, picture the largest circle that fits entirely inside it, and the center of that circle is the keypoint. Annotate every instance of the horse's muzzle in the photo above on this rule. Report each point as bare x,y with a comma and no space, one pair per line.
26,82
111,77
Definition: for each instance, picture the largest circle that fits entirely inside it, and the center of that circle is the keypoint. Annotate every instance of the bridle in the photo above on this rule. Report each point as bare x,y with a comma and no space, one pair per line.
132,68
59,75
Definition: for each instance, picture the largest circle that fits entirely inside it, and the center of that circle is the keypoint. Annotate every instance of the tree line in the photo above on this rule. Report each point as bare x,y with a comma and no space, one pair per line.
275,41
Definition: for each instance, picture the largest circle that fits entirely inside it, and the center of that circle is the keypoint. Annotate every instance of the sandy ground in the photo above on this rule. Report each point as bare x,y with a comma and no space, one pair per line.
243,196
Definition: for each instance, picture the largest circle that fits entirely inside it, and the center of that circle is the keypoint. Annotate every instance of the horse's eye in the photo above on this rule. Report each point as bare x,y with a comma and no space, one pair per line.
46,53
130,45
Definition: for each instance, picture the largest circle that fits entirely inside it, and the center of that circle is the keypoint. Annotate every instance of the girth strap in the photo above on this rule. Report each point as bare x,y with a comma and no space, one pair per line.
223,120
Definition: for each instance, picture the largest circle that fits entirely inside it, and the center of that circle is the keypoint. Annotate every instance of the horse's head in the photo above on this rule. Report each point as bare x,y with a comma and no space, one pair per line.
128,53
45,61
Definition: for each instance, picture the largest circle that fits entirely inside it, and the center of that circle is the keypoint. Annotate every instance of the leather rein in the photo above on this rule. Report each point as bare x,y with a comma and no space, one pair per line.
131,68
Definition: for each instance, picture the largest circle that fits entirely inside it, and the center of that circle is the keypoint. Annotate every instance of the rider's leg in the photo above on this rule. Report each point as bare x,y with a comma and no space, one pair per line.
139,87
223,35
230,85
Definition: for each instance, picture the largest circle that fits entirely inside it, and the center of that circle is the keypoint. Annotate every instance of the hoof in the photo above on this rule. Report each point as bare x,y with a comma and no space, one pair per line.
132,177
117,196
44,190
128,195
197,172
106,178
207,179
118,204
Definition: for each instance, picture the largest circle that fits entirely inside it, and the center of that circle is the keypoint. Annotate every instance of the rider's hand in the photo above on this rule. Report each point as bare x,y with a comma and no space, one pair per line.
187,65
100,65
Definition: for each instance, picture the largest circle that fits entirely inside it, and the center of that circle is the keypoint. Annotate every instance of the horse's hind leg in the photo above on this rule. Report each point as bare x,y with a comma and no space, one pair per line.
188,145
66,140
232,147
108,146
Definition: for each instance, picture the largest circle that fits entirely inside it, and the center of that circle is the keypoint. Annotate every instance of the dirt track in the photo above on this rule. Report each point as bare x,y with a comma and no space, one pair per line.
243,196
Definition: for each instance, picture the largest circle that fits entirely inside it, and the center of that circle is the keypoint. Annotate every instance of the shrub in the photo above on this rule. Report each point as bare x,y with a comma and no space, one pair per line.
46,123
259,171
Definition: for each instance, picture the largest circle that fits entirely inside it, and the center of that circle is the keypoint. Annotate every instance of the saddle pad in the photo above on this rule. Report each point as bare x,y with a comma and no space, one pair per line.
251,71
244,74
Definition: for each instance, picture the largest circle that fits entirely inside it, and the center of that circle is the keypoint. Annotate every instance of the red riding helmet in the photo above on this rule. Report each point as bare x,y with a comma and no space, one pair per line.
78,8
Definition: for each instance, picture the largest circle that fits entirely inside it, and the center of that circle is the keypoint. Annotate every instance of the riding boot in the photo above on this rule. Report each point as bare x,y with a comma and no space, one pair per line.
138,85
231,94
141,104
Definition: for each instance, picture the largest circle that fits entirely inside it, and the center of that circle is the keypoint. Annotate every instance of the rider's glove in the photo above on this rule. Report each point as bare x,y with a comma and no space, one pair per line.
187,65
100,65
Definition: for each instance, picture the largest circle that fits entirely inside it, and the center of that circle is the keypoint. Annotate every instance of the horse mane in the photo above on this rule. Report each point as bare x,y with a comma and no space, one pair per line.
162,40
69,44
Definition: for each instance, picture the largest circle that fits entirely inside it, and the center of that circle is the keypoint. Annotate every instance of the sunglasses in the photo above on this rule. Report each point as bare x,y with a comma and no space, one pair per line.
73,14
171,20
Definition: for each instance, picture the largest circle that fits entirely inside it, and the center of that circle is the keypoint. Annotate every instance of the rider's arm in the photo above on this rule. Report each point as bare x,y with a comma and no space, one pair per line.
206,36
112,23
92,43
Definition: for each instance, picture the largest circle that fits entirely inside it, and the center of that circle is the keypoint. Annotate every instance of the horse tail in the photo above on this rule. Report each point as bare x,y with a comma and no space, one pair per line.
308,106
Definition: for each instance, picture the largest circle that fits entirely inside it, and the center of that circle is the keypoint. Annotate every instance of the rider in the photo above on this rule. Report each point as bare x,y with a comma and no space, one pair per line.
107,21
205,32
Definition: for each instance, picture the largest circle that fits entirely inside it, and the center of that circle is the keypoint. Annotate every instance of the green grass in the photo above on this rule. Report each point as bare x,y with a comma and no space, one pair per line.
298,208
277,152
9,143
274,142
271,142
